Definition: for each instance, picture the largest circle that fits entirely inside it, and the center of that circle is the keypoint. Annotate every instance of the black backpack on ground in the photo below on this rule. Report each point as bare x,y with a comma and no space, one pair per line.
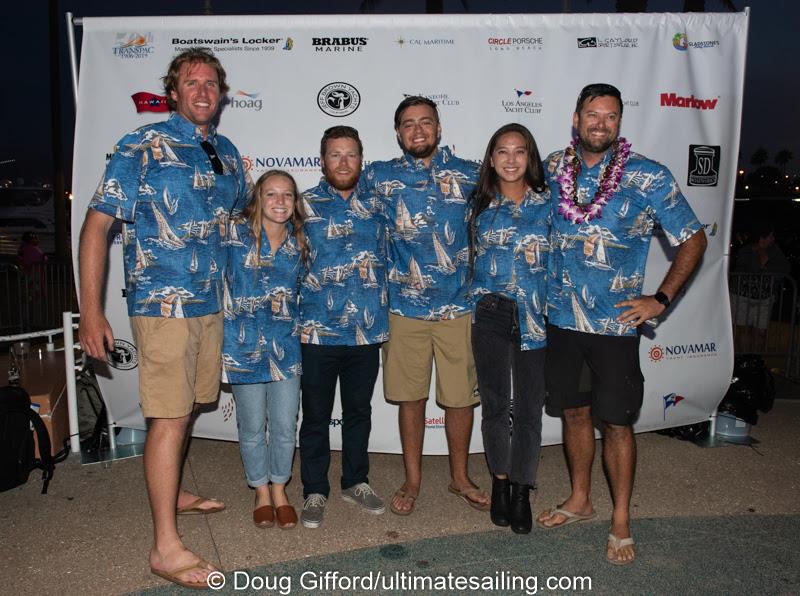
16,440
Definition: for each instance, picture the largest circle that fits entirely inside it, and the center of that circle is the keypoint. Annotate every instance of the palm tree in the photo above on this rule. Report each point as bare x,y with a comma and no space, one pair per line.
782,158
759,157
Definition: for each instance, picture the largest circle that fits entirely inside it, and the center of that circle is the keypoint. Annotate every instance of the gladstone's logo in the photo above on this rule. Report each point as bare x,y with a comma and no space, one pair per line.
149,102
242,100
133,45
680,41
522,103
673,100
676,351
587,42
339,44
501,44
338,99
124,356
703,165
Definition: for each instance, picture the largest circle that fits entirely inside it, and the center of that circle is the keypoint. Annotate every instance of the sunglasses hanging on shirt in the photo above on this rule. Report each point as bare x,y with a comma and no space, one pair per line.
216,162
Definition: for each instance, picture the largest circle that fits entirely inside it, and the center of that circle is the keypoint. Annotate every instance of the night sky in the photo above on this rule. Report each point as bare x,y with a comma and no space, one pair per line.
771,80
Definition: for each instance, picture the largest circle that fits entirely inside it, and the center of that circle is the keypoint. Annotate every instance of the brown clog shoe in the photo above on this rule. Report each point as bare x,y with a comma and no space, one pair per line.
264,517
286,516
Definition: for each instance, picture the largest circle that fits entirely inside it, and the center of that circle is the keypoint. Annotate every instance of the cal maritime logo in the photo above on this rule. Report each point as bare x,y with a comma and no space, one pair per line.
133,45
149,102
677,351
338,99
703,165
671,400
124,356
673,100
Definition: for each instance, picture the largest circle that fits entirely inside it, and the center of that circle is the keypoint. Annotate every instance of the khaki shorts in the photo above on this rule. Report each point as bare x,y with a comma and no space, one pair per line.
412,348
179,363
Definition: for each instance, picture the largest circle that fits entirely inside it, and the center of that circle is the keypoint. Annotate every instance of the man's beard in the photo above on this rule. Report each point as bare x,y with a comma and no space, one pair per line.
596,146
424,151
340,183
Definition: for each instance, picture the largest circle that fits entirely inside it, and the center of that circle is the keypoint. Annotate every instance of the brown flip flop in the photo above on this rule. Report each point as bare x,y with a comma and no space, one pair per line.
400,493
194,508
467,495
172,576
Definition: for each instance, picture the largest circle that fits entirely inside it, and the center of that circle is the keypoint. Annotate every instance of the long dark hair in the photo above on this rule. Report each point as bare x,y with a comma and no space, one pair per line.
487,188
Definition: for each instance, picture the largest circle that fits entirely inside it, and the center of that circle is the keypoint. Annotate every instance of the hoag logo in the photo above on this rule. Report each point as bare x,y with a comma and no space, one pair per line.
242,100
124,356
673,100
133,46
338,99
703,165
339,44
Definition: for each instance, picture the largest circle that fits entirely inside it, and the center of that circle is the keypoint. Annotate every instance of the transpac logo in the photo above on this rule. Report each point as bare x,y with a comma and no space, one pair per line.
676,351
680,41
500,44
703,165
339,44
133,45
673,100
242,100
149,102
338,99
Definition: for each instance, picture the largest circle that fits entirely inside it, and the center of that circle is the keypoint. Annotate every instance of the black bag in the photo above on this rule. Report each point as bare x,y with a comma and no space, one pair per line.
16,440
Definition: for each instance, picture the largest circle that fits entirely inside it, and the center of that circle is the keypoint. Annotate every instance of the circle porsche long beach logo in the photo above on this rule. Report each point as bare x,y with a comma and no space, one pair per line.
338,99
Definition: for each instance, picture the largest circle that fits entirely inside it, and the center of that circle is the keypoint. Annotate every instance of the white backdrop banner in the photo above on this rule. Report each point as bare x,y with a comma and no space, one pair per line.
681,77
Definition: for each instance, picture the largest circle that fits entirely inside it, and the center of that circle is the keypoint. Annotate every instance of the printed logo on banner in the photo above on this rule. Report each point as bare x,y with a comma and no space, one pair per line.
671,400
680,351
502,44
133,46
680,41
232,44
630,103
522,102
149,102
434,422
294,164
711,229
703,165
673,100
338,99
339,44
241,100
426,42
441,99
289,44
247,161
124,356
608,42
334,422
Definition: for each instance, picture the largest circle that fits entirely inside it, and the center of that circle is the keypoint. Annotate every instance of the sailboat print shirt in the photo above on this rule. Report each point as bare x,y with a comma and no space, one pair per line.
175,212
260,307
511,259
344,298
597,264
425,210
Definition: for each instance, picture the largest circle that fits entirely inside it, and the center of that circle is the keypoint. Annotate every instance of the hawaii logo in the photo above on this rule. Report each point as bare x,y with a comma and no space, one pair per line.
671,400
133,45
519,105
149,102
679,351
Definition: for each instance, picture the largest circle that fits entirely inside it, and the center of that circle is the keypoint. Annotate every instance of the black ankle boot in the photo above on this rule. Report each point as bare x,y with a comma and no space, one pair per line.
519,511
500,496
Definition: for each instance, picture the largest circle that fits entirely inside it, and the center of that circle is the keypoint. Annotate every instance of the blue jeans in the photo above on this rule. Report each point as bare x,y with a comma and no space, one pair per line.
263,405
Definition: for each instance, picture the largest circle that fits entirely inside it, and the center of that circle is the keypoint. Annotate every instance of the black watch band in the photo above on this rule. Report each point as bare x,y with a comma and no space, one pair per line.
662,298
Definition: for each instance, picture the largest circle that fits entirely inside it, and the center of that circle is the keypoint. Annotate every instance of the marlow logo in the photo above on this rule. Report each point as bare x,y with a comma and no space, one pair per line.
338,99
703,165
673,100
149,102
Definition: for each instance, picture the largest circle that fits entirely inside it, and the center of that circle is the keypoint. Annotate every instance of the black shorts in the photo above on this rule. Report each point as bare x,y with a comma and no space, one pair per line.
617,384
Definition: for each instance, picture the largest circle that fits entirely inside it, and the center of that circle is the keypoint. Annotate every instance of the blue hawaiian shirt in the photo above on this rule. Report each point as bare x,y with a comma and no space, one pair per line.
426,213
597,264
176,212
344,297
511,259
260,306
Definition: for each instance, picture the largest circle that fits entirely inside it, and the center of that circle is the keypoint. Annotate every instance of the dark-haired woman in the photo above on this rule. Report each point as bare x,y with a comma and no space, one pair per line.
510,226
261,353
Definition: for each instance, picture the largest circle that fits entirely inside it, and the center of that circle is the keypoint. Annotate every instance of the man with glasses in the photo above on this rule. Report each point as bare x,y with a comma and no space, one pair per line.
174,185
344,309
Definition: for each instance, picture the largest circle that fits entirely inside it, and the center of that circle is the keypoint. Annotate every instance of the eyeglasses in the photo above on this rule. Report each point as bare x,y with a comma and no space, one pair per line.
216,162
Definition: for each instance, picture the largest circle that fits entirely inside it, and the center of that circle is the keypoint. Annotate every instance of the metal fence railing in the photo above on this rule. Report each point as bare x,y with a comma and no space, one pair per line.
764,314
33,298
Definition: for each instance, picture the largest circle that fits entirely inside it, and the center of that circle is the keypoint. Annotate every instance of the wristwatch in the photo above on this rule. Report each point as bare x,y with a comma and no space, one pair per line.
662,298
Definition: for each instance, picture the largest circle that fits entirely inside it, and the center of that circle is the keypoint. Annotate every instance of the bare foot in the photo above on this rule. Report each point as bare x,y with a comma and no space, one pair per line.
278,492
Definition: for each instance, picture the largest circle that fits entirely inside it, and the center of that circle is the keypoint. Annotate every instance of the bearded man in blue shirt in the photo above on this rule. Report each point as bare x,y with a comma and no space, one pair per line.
175,185
595,301
424,196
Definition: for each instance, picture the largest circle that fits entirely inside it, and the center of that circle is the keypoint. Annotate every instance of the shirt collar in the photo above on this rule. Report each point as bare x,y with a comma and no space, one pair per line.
606,158
441,157
329,189
191,130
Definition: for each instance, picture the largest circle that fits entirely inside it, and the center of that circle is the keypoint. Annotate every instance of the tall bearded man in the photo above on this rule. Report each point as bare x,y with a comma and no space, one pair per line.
594,299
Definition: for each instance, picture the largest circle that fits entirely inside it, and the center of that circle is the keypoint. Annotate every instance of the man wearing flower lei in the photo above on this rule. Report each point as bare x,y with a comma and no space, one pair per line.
606,201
